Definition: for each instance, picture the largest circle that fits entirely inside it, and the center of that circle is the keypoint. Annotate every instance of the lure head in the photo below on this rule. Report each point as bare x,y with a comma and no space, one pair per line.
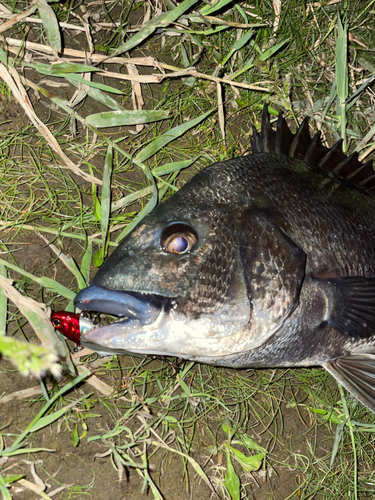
68,324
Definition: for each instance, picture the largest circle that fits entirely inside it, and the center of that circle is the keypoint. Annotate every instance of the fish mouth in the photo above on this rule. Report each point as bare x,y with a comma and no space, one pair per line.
144,324
144,307
134,311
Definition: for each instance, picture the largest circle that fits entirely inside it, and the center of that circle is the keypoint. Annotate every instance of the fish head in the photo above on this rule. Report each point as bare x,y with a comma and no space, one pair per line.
164,254
181,284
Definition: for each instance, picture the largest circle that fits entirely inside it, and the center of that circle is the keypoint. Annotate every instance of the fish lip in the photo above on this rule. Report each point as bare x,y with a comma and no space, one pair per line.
144,307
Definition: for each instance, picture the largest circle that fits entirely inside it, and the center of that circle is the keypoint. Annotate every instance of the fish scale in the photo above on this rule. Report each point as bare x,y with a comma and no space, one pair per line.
266,260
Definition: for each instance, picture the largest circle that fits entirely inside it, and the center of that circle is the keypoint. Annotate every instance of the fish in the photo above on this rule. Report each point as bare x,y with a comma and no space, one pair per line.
264,260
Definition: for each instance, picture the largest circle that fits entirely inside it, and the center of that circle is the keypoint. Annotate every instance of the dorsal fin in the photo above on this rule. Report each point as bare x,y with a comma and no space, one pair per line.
284,136
302,147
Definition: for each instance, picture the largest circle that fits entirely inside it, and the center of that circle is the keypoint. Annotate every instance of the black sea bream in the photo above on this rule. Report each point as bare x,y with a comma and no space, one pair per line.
265,260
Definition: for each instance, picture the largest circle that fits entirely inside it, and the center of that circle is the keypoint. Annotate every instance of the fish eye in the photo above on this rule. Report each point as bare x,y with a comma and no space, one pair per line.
178,239
56,323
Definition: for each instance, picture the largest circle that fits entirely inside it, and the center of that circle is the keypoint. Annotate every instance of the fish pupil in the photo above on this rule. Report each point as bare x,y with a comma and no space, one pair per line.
178,238
180,244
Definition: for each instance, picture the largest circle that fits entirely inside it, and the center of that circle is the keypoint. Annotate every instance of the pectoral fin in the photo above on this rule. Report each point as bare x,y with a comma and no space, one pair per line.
351,305
357,374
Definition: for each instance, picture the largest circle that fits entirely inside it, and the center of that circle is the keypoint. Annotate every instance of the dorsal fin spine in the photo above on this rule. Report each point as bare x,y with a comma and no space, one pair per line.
302,147
313,144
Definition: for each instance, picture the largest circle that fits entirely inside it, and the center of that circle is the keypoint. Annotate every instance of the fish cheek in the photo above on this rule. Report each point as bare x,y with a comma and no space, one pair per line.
214,270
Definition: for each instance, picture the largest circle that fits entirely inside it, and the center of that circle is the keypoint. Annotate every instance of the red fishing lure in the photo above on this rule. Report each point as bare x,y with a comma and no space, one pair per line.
71,325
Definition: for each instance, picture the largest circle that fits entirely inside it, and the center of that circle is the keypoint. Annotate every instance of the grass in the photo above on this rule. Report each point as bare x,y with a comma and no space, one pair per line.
78,186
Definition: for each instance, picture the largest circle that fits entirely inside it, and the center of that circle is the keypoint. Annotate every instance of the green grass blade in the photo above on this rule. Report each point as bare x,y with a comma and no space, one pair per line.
63,68
249,463
46,69
48,230
137,38
50,24
142,471
209,31
22,451
4,57
89,83
272,50
86,261
52,285
355,96
127,200
342,75
341,61
148,480
70,264
366,138
338,438
331,98
209,8
104,99
3,303
106,198
16,445
172,134
232,481
3,488
351,432
52,417
161,21
238,45
249,64
146,210
125,117
175,166
197,468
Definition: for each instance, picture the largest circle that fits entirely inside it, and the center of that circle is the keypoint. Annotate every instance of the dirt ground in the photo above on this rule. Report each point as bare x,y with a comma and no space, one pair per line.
88,471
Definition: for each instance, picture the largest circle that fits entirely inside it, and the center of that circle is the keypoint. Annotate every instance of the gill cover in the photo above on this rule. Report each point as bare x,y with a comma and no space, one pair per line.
274,268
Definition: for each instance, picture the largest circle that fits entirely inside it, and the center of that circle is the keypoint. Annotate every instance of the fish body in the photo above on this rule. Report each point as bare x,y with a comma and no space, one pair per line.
265,260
